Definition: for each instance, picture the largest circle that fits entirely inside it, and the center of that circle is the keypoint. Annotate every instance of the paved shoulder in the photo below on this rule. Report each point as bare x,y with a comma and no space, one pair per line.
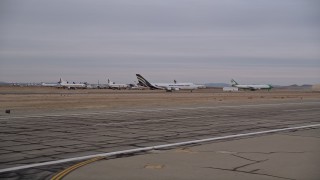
293,155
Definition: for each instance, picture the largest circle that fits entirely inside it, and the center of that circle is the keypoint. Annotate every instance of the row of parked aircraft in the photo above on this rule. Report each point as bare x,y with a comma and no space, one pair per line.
143,83
191,86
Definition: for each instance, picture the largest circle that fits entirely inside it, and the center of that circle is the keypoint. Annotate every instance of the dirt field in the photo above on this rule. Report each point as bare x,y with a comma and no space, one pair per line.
21,100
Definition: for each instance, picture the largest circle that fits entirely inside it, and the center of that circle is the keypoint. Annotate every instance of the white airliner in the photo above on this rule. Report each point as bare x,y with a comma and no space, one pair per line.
251,87
113,85
66,84
50,84
168,86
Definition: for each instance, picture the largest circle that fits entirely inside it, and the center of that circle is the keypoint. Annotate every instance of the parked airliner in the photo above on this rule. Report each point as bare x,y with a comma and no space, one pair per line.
50,84
250,87
168,86
66,84
113,85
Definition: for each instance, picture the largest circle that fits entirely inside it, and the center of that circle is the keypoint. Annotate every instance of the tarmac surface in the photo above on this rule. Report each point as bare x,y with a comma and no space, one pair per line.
26,140
290,155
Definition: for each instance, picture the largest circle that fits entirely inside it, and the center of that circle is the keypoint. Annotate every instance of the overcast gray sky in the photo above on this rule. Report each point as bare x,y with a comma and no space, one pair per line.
253,41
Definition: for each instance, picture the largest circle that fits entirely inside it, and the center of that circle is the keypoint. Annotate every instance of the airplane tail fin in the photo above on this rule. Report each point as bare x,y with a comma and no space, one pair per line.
62,81
233,82
143,82
270,86
110,82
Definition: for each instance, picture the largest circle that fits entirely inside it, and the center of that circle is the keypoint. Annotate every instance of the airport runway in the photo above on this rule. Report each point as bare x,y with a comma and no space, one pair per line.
34,139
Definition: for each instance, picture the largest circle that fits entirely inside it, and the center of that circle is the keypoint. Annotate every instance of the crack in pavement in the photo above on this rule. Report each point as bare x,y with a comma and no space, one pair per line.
273,152
254,171
249,164
249,172
233,152
243,158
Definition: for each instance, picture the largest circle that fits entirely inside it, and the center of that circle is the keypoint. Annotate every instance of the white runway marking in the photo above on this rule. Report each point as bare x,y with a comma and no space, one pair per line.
153,147
156,110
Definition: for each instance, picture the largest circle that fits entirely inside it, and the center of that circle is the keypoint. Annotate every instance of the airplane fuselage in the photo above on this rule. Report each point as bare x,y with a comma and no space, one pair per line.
176,86
50,85
250,87
71,85
168,86
118,86
253,87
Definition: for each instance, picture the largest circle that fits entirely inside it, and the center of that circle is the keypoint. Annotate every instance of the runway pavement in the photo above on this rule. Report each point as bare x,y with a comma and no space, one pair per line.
293,155
26,140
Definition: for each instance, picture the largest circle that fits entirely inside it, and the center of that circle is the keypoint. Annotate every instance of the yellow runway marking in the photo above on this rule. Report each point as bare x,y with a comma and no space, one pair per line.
76,166
154,166
185,150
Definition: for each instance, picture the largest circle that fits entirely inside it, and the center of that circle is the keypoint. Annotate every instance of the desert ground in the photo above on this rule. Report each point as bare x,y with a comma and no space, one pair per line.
25,100
47,124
